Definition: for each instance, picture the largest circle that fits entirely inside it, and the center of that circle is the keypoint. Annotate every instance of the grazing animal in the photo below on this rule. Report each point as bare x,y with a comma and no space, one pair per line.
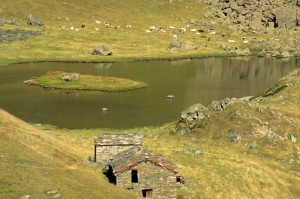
161,29
243,38
97,29
83,25
148,31
72,28
174,37
128,26
97,22
182,30
76,29
212,33
231,41
246,41
62,26
193,30
152,28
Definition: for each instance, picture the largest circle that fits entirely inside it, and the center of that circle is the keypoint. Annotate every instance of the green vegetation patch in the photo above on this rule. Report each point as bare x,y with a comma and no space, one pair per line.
75,81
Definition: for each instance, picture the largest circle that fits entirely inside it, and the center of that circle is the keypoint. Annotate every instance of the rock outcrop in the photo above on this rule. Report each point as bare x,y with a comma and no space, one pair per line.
13,35
34,21
257,14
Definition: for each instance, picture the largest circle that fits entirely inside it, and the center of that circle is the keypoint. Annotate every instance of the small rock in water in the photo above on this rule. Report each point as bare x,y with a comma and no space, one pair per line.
171,97
25,197
104,109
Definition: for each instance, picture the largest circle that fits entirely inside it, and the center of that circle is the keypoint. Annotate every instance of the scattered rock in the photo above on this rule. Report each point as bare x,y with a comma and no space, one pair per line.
25,197
34,21
52,192
293,138
102,50
251,145
70,77
182,45
234,136
243,52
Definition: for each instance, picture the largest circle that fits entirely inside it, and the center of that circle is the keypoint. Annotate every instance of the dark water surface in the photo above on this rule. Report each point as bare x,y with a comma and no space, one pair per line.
191,81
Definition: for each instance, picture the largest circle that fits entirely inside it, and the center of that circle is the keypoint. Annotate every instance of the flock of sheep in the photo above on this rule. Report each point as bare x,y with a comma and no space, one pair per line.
170,29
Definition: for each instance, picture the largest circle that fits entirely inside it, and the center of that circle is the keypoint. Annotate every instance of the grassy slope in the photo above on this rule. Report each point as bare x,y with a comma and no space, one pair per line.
127,44
226,169
33,162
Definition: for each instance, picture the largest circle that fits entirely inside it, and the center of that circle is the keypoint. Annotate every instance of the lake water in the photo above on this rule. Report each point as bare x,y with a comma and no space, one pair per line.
190,81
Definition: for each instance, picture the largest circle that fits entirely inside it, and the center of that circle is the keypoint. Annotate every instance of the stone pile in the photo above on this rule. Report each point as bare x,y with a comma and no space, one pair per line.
256,15
7,36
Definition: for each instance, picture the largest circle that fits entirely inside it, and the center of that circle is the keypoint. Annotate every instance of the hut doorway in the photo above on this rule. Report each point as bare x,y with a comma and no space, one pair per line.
147,193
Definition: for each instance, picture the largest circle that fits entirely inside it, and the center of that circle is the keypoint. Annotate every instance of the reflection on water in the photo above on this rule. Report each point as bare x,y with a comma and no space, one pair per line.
190,81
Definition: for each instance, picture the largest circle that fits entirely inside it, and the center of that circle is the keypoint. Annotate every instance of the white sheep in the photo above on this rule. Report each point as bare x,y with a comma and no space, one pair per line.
128,26
193,30
72,28
97,22
212,33
231,41
183,30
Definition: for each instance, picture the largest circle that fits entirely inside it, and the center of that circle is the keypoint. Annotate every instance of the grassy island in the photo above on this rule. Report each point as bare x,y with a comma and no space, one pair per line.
60,80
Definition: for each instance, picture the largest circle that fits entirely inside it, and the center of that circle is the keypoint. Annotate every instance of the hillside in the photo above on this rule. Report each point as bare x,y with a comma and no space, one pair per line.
138,30
33,162
220,159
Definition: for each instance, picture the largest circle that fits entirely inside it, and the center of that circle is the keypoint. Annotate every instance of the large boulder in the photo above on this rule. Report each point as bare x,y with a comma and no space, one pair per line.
181,44
102,50
286,17
34,21
70,77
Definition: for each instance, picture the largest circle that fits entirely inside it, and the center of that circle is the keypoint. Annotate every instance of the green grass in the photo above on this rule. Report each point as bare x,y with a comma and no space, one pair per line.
127,44
86,82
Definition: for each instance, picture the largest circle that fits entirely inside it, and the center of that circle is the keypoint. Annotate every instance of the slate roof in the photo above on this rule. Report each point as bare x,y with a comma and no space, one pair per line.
125,160
118,140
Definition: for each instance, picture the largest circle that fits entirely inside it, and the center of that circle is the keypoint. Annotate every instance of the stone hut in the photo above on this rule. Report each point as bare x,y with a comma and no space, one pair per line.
148,175
107,146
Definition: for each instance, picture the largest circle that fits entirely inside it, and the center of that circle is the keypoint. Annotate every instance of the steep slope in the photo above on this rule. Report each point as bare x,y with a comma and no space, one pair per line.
33,162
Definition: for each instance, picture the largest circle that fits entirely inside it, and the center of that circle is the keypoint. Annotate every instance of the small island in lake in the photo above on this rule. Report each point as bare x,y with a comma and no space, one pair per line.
76,81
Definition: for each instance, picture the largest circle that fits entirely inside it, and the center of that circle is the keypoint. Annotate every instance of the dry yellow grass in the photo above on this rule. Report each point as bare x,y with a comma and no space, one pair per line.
33,162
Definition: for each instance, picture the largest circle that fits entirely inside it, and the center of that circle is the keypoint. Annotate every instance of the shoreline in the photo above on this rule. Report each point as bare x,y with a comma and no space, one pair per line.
128,59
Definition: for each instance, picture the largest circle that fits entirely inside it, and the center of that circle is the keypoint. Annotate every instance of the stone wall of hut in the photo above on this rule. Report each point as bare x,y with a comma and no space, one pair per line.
150,176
